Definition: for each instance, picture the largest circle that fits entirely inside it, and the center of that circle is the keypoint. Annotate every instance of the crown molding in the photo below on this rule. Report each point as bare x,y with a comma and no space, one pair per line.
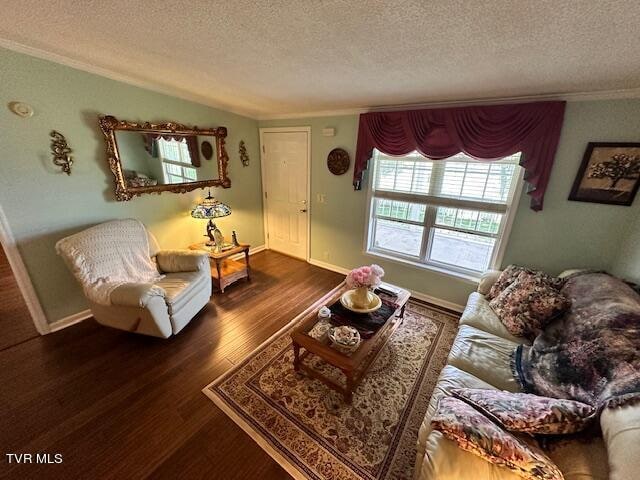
568,97
193,97
122,77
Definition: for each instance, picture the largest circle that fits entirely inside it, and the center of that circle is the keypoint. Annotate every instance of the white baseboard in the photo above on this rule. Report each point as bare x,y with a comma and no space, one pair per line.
252,250
80,316
437,301
70,320
329,266
419,295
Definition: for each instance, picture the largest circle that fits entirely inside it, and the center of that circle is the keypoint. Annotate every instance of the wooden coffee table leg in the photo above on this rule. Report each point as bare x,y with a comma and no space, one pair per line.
296,357
348,395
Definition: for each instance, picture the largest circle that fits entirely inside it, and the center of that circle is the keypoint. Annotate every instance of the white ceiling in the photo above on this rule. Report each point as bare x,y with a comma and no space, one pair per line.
264,58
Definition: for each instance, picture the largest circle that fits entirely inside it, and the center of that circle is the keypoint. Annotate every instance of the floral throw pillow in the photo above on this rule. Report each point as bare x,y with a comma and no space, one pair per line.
475,433
523,412
506,278
511,273
528,304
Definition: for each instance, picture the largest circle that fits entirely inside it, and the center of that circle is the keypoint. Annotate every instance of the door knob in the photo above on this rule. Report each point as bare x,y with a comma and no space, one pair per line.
304,210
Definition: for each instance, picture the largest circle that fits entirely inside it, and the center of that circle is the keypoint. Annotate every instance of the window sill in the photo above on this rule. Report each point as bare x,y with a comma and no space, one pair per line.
473,279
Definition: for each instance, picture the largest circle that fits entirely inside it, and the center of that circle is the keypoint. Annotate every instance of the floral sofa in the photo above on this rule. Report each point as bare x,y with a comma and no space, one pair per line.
480,358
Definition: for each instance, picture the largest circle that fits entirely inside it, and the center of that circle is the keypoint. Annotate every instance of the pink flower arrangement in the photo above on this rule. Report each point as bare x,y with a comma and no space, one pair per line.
368,277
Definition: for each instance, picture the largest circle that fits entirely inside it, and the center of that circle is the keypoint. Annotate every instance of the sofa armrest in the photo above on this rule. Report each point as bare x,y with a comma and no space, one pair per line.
487,280
174,261
621,433
568,273
135,294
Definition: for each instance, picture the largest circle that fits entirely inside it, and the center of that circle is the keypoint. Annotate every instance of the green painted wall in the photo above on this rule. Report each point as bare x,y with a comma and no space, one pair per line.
576,234
43,205
627,262
564,235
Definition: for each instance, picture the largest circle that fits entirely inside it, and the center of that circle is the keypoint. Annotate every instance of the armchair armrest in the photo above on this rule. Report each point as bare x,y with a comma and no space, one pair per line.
173,261
136,294
487,280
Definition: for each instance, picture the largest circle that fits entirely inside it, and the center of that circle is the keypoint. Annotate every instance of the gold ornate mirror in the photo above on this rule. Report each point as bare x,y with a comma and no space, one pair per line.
163,157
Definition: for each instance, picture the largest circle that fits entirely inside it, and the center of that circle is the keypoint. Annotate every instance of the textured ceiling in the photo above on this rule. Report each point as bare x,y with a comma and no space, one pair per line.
286,57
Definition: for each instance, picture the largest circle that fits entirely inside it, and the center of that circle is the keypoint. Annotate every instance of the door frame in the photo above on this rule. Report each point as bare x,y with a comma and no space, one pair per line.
22,276
265,199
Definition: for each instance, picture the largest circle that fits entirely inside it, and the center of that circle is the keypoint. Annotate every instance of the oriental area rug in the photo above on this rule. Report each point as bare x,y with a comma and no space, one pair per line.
309,429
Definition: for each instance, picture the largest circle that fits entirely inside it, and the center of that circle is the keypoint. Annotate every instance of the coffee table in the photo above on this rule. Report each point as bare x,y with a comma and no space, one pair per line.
310,337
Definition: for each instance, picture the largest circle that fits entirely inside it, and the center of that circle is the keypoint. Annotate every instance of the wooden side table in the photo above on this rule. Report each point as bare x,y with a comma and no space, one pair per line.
224,270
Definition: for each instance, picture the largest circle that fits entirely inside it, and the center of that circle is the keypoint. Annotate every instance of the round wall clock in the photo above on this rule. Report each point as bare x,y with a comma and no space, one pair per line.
338,161
207,150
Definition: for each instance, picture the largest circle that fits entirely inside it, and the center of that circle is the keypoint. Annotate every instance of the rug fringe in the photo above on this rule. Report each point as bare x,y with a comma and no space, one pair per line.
290,468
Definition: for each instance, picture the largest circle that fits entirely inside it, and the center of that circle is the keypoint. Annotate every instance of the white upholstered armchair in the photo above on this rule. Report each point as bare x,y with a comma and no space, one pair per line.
133,285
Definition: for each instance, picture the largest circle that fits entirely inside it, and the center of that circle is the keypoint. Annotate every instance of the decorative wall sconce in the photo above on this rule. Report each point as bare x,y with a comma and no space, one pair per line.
61,152
244,156
21,109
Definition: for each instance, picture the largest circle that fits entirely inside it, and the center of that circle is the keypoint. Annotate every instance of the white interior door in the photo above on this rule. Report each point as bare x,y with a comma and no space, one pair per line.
285,180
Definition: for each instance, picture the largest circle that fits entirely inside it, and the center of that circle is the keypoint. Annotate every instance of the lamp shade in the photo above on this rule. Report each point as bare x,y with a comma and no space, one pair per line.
210,208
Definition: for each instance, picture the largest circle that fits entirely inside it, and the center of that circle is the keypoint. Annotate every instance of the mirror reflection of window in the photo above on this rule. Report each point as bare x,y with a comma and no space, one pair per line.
176,161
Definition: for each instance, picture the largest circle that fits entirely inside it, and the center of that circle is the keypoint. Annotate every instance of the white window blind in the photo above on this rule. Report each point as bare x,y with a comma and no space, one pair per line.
447,213
176,161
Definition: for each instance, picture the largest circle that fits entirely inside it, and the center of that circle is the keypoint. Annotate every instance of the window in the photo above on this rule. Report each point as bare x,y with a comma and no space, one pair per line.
447,214
176,161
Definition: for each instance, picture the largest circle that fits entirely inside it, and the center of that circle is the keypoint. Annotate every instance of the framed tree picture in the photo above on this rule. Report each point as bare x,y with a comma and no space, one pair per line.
609,173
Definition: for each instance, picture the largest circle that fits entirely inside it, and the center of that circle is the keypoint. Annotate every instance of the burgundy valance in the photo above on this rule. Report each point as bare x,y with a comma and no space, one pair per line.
482,132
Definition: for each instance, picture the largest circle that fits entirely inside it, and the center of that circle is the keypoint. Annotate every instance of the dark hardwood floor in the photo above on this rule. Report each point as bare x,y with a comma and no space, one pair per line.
125,406
15,322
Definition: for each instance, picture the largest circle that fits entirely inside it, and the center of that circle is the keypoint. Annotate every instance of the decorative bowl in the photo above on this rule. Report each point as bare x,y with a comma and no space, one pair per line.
347,302
344,336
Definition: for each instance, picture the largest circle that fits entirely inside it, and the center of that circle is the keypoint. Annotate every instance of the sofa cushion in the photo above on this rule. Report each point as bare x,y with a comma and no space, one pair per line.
450,378
153,319
176,261
485,356
487,280
524,412
506,278
444,460
511,273
180,318
621,432
478,314
528,304
475,433
181,287
581,459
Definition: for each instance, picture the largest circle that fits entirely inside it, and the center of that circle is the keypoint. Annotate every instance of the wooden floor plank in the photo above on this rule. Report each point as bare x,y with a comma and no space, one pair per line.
118,405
